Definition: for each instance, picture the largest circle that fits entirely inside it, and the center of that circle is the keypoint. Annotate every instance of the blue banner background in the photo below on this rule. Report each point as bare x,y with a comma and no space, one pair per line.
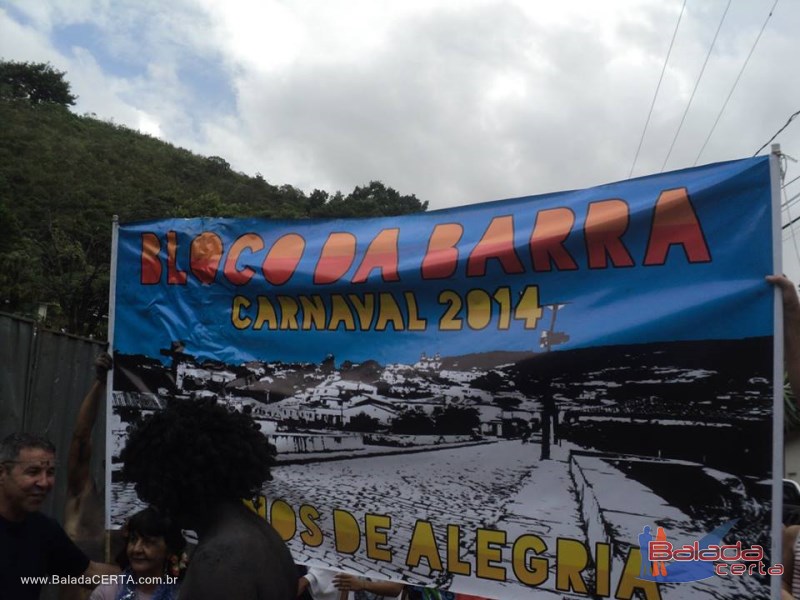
725,298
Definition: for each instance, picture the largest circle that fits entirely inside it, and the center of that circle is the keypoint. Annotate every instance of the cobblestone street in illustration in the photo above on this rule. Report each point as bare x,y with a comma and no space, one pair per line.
490,486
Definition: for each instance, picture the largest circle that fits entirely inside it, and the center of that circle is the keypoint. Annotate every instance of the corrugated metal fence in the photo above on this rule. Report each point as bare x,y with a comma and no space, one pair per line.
44,376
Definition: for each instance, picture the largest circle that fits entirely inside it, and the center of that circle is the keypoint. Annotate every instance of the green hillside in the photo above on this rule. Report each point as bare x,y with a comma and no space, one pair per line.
63,177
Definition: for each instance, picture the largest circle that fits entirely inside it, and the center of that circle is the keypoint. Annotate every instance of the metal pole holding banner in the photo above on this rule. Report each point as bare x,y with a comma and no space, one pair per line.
112,304
778,370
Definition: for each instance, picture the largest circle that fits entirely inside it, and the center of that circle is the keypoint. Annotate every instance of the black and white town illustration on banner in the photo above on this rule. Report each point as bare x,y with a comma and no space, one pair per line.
588,445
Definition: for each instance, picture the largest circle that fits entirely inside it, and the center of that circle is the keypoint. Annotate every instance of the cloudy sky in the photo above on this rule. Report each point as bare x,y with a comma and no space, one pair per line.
456,101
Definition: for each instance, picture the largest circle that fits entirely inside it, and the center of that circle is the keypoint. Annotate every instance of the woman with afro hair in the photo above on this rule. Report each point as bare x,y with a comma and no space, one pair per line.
195,461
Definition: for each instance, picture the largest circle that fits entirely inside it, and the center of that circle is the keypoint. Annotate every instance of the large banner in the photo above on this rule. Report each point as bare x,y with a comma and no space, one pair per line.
505,399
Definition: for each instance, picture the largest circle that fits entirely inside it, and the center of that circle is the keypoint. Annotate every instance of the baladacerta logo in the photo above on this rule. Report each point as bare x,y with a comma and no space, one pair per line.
664,561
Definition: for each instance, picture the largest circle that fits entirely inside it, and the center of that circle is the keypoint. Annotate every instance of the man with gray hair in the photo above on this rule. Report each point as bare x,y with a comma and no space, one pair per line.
34,547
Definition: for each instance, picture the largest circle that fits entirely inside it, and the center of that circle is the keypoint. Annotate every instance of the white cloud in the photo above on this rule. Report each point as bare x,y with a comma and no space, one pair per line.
23,43
456,101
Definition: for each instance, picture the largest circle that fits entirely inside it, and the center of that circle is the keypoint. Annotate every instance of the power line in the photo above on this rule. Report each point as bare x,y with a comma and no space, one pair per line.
697,83
777,133
792,181
792,231
735,83
788,203
793,199
660,79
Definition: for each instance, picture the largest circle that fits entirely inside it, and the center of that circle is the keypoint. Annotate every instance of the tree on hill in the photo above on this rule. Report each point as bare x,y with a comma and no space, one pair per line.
34,82
64,176
373,200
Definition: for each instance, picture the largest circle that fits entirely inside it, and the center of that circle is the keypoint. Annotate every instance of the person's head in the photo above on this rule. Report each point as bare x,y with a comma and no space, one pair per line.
150,540
193,455
27,474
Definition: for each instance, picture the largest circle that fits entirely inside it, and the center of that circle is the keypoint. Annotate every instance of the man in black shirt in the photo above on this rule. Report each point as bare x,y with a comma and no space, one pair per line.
33,547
